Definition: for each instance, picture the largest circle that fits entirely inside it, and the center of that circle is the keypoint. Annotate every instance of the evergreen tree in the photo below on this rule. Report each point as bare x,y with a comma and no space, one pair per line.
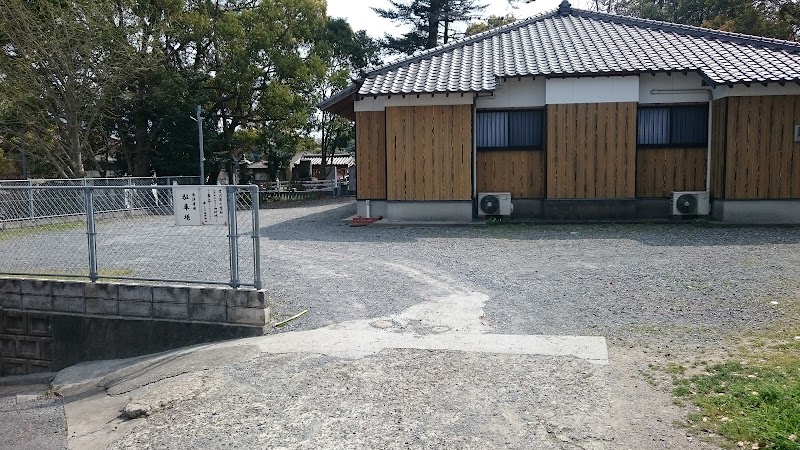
769,18
489,24
430,21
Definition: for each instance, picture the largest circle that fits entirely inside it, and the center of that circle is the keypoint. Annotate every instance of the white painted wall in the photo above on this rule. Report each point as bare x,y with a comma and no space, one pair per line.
740,90
524,92
531,92
382,102
370,104
662,81
592,90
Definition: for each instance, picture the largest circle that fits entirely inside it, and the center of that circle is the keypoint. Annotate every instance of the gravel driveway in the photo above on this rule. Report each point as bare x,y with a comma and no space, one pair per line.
659,293
660,283
654,291
681,284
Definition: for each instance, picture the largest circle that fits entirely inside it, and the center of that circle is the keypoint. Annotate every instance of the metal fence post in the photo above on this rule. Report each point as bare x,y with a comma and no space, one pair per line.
30,199
256,238
128,195
91,233
233,236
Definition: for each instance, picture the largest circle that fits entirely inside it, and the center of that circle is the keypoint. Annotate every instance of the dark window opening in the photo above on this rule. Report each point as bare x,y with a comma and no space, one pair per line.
678,126
523,129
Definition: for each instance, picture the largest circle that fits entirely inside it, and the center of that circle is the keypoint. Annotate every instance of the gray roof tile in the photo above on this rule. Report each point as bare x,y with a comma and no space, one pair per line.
586,43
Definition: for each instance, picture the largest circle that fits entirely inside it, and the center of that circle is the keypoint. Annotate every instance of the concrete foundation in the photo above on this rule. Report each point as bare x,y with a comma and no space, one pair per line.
527,208
757,211
590,209
377,208
413,211
731,211
433,211
653,208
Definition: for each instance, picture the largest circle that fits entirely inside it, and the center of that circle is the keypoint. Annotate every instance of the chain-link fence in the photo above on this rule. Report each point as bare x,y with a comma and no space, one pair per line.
154,233
38,202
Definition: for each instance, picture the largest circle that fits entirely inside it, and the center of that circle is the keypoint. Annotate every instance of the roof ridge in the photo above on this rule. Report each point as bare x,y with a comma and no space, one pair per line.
431,52
739,38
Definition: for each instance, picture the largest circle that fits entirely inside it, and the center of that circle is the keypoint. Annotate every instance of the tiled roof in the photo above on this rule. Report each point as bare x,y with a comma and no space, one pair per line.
571,42
339,159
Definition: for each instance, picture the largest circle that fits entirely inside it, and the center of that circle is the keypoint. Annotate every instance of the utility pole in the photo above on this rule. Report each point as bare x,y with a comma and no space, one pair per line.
200,142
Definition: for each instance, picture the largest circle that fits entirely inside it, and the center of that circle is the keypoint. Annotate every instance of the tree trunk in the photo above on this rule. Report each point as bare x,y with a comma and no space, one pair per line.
433,24
76,152
141,130
212,175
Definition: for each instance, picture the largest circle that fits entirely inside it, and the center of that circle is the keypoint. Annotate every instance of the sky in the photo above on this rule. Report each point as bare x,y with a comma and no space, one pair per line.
361,17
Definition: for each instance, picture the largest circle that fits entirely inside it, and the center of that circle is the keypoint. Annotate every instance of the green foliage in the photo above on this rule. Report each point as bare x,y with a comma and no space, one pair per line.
489,24
257,68
749,403
61,65
5,165
430,21
770,18
348,53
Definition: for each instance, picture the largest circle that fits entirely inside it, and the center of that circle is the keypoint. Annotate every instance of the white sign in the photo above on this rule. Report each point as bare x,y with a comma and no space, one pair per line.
215,205
200,205
186,203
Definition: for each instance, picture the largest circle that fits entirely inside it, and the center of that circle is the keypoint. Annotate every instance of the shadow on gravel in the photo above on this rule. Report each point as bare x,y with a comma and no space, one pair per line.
331,226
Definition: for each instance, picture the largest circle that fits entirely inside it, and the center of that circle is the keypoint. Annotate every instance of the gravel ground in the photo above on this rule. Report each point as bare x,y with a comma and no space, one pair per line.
30,421
666,284
684,281
398,399
657,292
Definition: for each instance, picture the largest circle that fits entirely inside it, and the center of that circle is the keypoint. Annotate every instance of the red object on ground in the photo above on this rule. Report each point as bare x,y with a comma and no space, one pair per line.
364,221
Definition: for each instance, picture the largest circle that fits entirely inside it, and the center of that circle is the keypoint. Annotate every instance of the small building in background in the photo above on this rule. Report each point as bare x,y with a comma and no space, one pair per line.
309,165
305,166
261,172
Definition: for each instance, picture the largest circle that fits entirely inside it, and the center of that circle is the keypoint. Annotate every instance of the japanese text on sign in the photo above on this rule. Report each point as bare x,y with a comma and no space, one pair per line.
200,205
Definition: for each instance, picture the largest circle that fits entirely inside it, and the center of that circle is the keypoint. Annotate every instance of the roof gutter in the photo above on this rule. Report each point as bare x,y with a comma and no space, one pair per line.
710,94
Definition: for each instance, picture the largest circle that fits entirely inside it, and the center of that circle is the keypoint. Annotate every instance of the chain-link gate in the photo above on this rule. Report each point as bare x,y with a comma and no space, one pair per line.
130,232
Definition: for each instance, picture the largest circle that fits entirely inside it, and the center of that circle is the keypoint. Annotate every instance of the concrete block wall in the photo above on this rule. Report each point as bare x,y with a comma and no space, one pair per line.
27,308
26,343
139,301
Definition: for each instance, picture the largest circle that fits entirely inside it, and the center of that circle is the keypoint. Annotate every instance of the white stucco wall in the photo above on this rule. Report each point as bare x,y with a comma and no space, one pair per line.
676,81
592,90
740,90
694,81
515,93
529,92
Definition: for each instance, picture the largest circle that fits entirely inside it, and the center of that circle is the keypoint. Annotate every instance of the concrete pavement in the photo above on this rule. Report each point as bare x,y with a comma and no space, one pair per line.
431,376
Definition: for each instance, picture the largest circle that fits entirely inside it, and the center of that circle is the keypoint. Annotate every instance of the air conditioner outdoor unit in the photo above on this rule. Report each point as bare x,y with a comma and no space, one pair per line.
495,204
690,204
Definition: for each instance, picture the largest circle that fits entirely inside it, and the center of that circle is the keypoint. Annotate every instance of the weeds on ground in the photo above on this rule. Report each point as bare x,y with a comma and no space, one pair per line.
105,274
13,233
752,399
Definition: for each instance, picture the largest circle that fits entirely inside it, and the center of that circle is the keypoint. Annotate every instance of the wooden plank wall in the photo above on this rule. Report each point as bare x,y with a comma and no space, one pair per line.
591,150
429,152
520,172
762,161
719,118
371,155
660,171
